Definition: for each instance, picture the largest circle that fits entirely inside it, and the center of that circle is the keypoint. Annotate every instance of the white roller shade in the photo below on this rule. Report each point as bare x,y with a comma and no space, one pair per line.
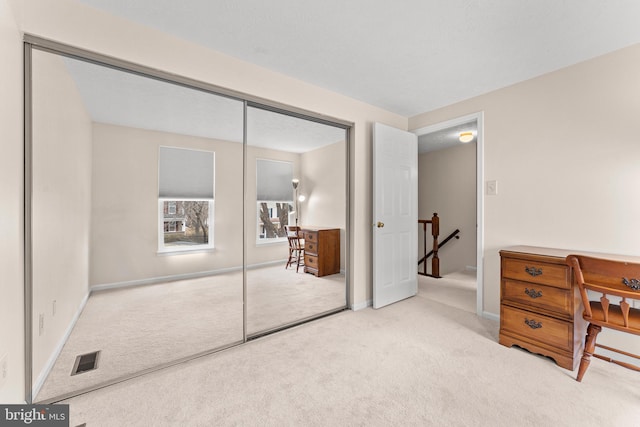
274,180
185,173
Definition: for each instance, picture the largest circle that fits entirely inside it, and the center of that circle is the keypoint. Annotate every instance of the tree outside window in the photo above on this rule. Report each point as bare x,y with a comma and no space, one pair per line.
274,199
186,223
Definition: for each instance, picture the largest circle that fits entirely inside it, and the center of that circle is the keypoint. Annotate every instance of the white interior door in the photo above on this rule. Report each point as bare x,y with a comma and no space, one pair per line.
395,215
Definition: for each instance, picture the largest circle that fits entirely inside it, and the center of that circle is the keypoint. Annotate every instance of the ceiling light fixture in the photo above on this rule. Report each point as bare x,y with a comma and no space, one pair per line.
466,136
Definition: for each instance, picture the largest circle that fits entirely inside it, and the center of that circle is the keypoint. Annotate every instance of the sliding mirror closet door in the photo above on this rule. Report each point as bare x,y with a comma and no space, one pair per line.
295,220
136,198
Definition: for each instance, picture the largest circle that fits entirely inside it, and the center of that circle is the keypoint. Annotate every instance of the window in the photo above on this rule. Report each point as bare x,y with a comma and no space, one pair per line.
185,199
274,199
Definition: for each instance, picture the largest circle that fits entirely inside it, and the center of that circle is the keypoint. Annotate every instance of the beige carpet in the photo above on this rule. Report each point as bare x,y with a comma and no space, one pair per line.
456,289
143,327
414,363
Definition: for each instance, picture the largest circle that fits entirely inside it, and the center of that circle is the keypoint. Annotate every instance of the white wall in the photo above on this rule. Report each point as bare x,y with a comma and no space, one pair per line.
447,185
565,151
11,224
124,232
61,204
324,185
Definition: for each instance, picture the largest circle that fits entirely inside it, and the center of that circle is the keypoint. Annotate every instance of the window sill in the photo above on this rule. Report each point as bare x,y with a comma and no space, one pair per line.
168,252
271,242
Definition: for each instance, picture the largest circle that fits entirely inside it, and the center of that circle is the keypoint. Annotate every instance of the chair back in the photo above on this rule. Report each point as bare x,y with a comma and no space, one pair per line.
293,236
605,278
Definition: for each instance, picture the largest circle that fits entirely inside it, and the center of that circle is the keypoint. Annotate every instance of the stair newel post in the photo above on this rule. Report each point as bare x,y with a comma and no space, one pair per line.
435,231
424,247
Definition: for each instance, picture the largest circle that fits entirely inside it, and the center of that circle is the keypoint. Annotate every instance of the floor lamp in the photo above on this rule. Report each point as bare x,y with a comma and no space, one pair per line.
295,183
298,198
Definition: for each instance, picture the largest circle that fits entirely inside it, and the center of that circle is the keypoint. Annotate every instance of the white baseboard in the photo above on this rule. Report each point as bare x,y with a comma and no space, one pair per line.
175,277
491,316
39,381
161,279
471,268
361,305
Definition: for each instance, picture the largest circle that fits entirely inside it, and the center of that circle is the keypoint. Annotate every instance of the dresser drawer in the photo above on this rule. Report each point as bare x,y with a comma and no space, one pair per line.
536,272
322,251
311,247
538,327
538,296
311,261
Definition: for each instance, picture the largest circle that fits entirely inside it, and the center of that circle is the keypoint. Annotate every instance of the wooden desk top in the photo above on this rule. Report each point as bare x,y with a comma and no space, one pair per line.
316,228
563,253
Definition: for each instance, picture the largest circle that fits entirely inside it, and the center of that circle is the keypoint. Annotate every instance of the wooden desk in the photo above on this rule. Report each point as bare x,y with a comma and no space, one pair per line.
321,250
540,306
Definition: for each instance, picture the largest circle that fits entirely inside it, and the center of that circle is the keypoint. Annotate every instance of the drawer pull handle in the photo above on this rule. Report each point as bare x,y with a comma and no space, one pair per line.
532,323
533,271
633,283
533,293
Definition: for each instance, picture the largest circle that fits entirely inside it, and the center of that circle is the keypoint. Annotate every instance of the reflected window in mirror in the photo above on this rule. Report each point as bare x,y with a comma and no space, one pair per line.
274,199
185,199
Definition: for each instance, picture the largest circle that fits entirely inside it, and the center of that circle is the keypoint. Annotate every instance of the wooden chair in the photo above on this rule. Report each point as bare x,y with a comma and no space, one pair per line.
603,277
296,246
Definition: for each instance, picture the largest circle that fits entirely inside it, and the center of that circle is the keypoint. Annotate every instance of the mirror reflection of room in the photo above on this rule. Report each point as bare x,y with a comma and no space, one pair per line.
295,257
137,223
128,236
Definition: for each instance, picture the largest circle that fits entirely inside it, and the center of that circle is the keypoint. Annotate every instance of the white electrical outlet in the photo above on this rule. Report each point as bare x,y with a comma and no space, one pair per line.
4,369
41,325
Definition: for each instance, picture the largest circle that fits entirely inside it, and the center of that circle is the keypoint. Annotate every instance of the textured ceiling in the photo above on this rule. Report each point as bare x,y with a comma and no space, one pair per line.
446,138
406,56
125,99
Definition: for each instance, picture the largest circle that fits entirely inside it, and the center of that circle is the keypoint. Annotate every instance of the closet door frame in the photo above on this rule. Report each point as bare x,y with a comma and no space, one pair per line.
32,43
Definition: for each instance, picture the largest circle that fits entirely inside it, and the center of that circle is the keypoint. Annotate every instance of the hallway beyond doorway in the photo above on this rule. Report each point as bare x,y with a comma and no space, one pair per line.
457,289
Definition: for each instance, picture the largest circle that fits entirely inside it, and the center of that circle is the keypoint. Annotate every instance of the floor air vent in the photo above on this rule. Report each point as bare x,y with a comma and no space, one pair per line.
85,362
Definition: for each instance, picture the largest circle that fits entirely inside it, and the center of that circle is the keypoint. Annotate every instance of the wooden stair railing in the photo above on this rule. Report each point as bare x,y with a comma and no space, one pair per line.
435,231
441,244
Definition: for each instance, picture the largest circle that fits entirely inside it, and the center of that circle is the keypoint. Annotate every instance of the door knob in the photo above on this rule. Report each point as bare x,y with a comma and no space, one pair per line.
380,224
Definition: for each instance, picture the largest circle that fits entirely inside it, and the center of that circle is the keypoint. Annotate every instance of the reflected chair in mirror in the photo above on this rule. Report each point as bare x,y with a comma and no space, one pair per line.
296,246
617,285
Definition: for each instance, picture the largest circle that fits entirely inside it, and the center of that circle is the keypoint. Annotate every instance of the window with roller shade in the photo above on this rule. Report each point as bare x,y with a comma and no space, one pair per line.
185,199
274,199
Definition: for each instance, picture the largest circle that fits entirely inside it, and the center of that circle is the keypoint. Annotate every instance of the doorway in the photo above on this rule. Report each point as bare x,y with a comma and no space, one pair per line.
454,189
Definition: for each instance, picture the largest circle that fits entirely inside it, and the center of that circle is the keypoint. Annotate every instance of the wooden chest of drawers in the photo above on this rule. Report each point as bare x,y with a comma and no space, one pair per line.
321,251
540,308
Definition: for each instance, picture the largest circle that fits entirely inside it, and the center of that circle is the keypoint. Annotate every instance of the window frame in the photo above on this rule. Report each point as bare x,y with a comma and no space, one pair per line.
175,196
163,249
266,241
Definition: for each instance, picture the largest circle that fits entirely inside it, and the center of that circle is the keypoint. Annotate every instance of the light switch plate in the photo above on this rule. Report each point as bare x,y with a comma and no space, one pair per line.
492,188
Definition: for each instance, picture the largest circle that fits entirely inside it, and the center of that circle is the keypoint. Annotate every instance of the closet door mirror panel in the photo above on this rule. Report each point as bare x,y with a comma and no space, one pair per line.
135,201
296,173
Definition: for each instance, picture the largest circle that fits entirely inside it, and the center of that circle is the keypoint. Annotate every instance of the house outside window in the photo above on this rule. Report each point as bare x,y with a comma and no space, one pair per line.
185,199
